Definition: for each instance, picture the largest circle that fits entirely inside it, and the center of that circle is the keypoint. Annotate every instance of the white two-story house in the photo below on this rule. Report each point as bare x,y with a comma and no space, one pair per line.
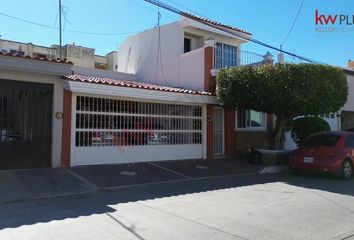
188,53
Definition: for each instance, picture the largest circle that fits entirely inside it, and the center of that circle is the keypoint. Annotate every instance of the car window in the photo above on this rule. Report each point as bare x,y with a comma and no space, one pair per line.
326,140
349,143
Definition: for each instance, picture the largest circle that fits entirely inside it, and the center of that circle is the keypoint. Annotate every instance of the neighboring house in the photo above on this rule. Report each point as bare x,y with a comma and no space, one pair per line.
31,100
342,120
80,56
156,101
347,111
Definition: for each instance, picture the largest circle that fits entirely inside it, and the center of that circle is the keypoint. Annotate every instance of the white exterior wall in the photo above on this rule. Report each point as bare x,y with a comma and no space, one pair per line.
192,69
139,55
133,154
57,105
349,106
290,144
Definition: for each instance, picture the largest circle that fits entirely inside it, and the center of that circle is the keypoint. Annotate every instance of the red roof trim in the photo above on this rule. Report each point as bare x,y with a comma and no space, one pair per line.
205,20
132,84
36,58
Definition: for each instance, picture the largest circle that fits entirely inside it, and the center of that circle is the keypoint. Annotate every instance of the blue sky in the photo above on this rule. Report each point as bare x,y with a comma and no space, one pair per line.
269,21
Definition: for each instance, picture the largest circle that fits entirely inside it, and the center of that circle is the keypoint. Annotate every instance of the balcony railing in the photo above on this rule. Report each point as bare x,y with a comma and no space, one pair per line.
251,58
240,58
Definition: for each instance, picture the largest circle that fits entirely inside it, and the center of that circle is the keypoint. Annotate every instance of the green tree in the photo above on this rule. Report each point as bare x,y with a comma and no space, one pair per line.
285,90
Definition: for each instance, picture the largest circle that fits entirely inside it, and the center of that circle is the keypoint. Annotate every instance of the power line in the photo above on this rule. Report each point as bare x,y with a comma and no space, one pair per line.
212,24
292,26
188,9
66,30
137,3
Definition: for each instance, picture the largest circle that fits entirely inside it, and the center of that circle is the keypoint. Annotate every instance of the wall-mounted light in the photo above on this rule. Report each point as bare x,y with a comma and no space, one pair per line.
59,115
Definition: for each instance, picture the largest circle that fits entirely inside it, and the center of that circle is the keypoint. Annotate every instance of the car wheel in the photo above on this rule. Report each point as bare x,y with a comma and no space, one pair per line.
347,169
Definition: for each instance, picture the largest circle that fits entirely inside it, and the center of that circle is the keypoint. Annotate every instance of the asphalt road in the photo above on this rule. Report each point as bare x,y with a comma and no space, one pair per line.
274,206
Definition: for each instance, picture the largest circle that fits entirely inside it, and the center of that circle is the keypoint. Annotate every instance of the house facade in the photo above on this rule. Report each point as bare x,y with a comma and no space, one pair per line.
78,55
347,111
155,100
189,53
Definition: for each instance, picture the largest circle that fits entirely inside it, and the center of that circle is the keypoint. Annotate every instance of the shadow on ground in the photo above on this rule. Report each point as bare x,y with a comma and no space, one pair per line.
42,211
323,182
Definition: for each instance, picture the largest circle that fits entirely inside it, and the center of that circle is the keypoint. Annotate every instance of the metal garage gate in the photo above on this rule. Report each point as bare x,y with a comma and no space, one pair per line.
121,131
25,124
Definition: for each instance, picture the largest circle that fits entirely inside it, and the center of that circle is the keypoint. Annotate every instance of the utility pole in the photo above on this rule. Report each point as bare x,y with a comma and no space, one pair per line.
60,44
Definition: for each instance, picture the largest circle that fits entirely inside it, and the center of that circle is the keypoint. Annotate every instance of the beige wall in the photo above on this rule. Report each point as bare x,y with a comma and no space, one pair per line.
80,56
112,61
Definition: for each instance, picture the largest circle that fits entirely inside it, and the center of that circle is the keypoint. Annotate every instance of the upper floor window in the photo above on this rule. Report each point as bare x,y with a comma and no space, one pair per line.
187,45
250,119
225,55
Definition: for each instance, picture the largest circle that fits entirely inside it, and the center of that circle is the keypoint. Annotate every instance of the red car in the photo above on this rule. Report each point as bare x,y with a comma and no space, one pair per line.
331,152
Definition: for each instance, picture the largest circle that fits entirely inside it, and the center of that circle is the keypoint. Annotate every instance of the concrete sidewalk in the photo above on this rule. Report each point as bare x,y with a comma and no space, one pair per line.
20,185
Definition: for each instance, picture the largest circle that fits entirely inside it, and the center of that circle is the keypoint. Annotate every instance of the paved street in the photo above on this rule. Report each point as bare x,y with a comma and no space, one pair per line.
274,206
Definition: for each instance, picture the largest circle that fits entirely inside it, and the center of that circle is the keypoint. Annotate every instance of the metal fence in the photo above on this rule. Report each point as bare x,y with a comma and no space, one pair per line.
115,122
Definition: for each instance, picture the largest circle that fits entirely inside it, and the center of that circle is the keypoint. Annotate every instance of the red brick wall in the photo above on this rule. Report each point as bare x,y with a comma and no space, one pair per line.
66,131
230,133
209,81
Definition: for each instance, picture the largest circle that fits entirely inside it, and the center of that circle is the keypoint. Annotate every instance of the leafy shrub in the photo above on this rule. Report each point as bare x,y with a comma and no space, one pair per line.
304,127
285,90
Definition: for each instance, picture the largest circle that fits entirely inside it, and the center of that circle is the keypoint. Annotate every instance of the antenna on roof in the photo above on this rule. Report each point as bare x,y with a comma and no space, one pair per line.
60,31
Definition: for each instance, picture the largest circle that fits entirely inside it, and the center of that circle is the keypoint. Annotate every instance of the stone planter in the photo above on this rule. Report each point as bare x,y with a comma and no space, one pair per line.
274,157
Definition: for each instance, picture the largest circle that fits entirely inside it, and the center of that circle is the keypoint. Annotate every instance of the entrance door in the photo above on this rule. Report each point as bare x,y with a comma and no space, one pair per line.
218,126
25,124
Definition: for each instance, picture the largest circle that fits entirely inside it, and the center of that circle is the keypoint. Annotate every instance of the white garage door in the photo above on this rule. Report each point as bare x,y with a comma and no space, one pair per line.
110,131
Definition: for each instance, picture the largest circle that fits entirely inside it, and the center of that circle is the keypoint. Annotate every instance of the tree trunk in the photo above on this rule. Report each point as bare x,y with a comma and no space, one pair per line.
276,135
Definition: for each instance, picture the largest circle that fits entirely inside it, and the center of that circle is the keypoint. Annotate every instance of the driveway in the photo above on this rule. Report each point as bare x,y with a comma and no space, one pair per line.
274,206
122,175
19,185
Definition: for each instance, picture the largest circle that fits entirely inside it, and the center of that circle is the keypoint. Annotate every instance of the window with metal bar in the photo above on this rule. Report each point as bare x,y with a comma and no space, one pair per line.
112,122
